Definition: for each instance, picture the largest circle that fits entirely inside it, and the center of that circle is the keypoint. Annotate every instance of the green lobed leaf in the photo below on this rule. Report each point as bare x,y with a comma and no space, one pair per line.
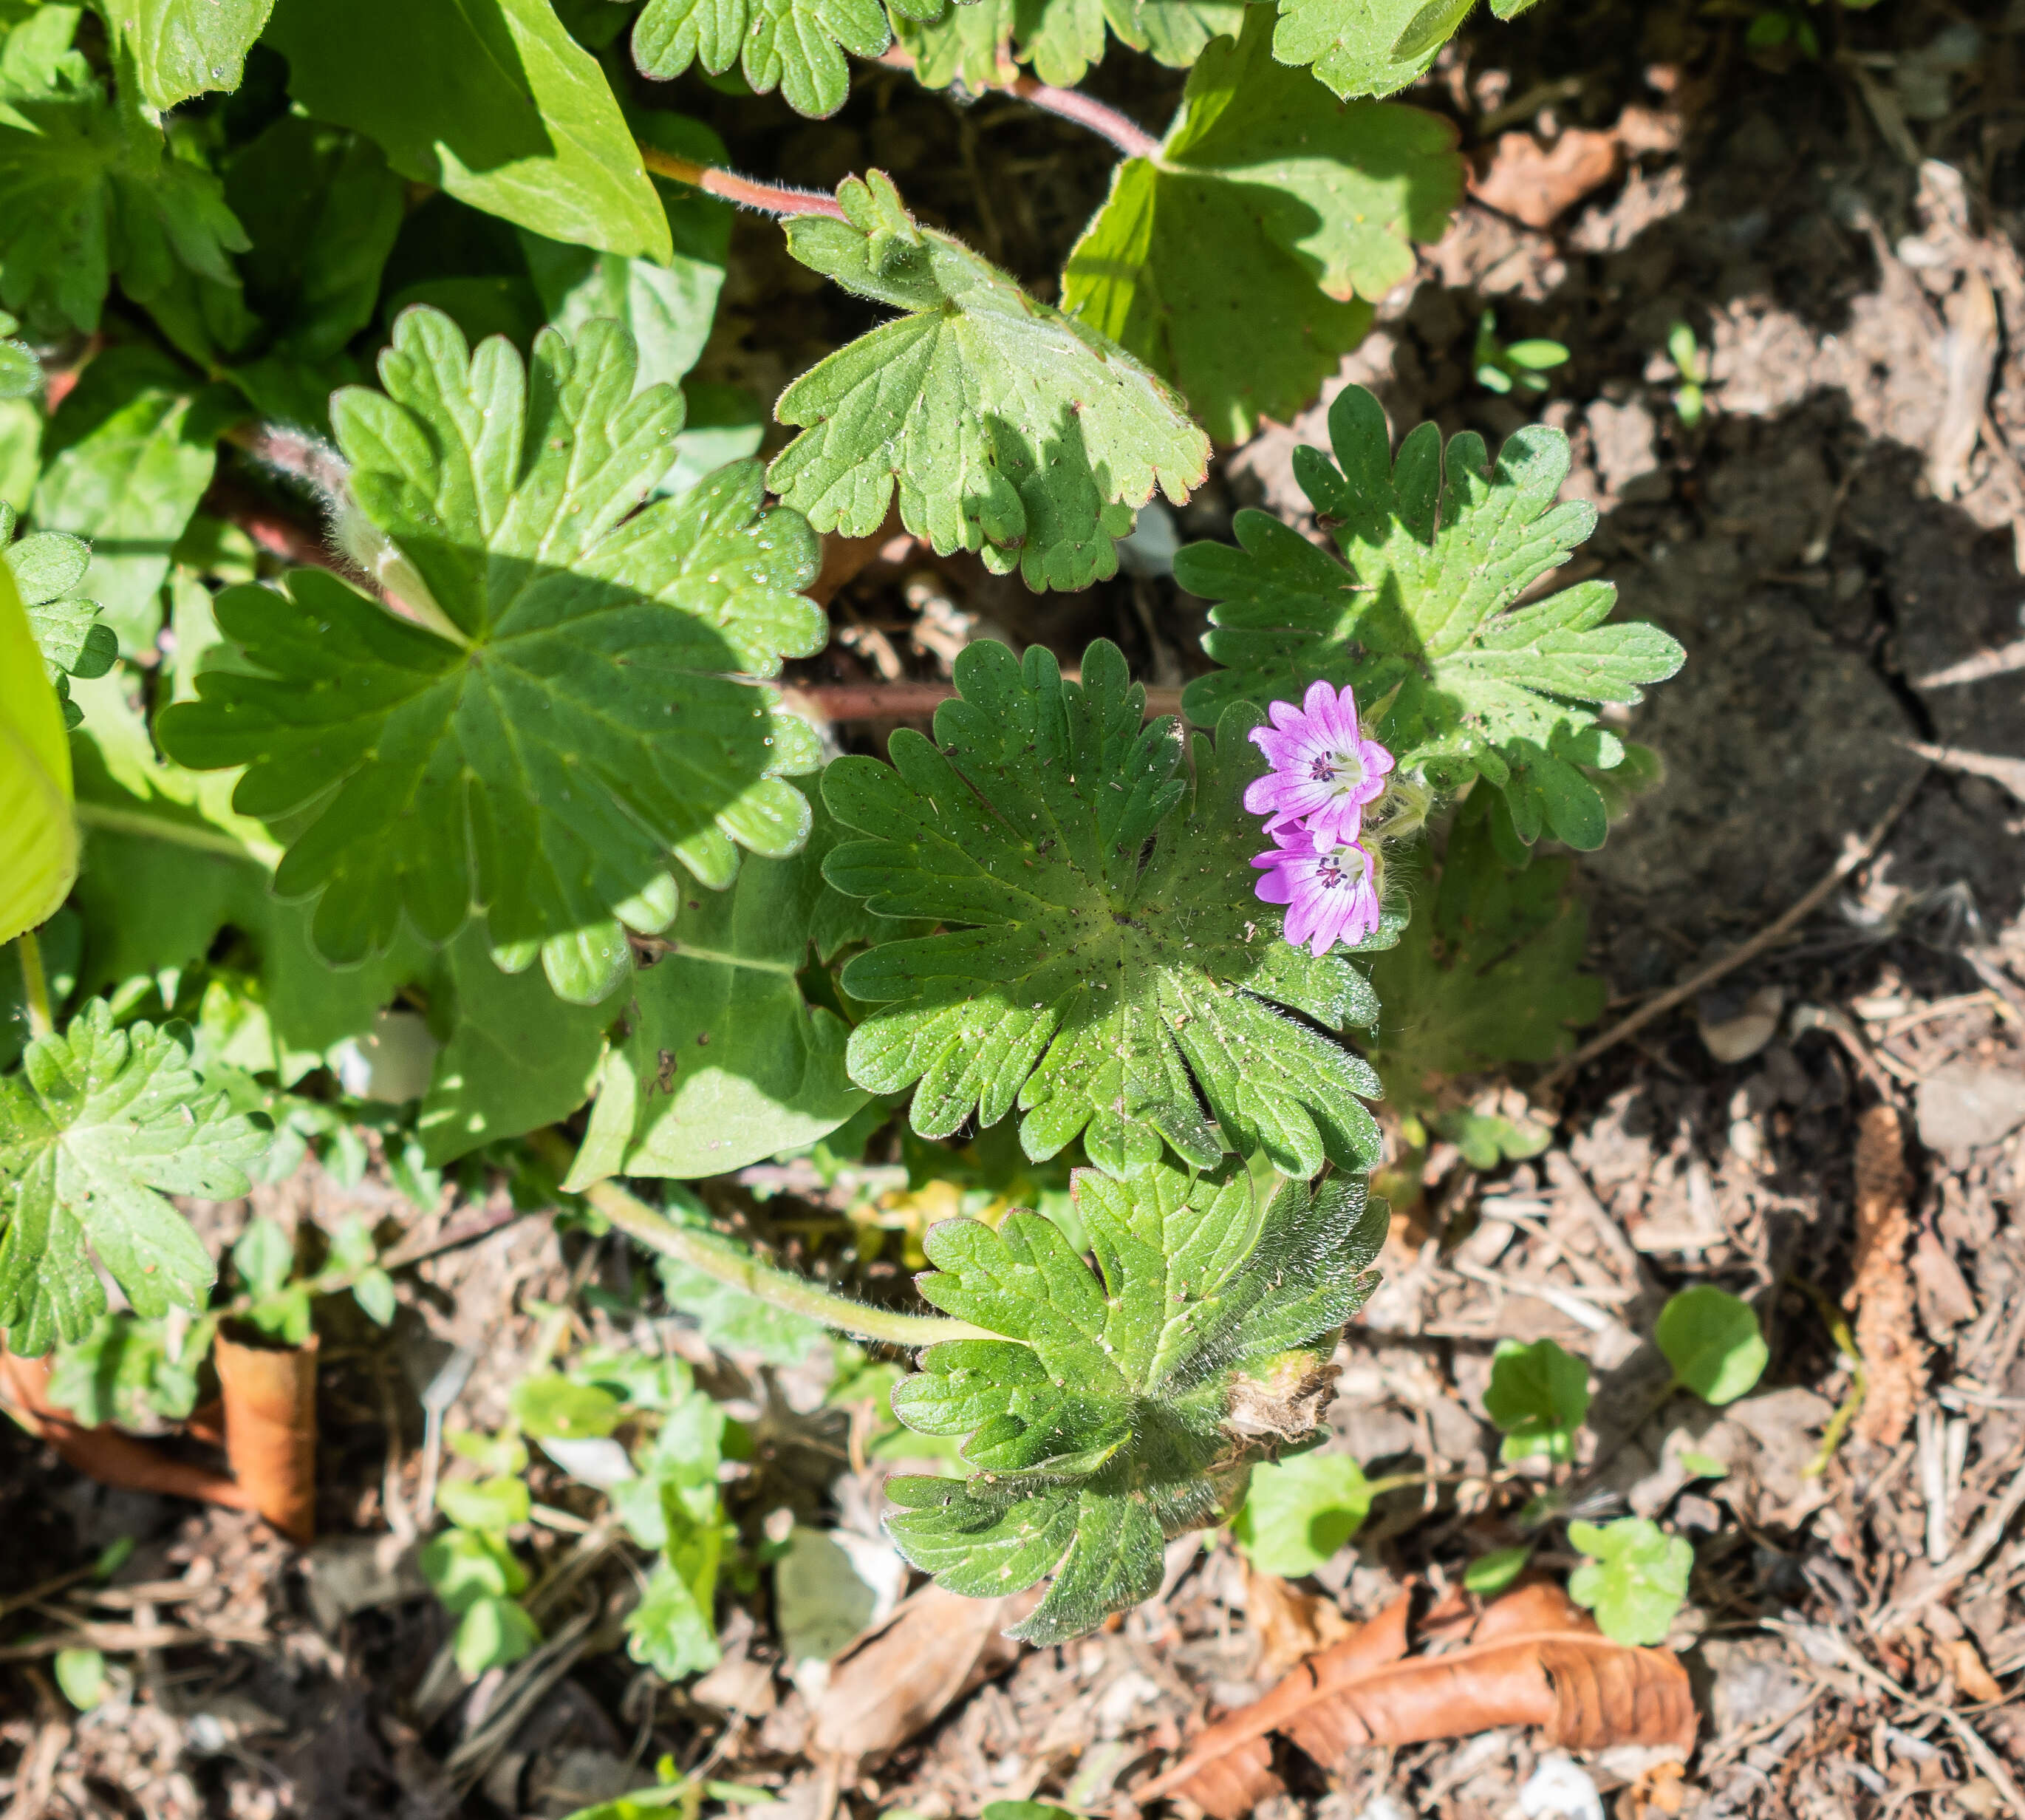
1312,208
1440,544
974,41
1123,1406
1638,1580
670,1629
45,566
1300,1510
1538,1398
100,1125
572,713
130,452
1007,428
725,1061
88,189
1713,1343
1488,971
1124,995
796,46
183,48
491,99
1370,47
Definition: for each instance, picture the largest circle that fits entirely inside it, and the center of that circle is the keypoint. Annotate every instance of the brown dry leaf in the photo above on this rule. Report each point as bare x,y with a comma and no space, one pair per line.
1881,1295
1291,1625
1945,1299
269,1395
1536,184
897,1678
1532,1658
1965,1663
1659,1792
105,1454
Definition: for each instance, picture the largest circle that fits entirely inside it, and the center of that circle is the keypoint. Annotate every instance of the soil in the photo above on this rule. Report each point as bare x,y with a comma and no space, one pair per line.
1838,532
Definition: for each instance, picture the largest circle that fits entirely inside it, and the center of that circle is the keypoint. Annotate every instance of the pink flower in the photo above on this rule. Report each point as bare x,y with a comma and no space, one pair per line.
1324,769
1327,886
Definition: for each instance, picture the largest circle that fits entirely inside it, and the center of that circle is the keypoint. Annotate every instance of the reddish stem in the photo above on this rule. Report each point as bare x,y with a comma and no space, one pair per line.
748,191
1073,104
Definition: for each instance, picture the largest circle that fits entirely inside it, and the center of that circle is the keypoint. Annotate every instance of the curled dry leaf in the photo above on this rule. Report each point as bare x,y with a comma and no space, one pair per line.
898,1676
1894,1361
105,1454
1531,1658
269,1395
1535,183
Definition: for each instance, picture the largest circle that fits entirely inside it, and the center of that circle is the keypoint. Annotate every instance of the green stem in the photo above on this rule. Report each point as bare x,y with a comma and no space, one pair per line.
35,986
137,822
731,1263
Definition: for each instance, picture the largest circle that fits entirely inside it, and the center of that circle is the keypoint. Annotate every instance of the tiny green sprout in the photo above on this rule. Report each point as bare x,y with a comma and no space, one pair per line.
1538,1397
1522,365
1777,29
1713,1342
1636,1579
81,1675
1490,1574
1705,1466
1691,362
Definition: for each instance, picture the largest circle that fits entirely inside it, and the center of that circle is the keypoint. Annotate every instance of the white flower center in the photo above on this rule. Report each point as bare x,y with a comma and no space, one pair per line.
1344,770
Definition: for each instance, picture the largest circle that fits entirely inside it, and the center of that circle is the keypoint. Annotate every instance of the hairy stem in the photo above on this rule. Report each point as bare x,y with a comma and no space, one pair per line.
35,985
748,191
1073,104
731,1263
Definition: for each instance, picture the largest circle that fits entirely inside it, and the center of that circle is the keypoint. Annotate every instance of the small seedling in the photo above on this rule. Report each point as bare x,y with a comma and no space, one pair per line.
1520,366
1300,1511
1538,1397
1489,1574
1713,1342
1691,362
1635,1580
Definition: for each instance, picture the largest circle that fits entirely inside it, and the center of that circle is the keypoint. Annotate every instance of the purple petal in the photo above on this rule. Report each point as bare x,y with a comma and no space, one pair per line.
1261,795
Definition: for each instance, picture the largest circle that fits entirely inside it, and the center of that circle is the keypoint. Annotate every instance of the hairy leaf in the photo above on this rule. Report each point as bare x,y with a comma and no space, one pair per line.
973,41
88,189
1439,546
130,452
40,849
1311,207
1123,1407
1008,428
1488,973
45,566
568,714
1109,991
725,1061
796,46
182,48
100,1125
492,100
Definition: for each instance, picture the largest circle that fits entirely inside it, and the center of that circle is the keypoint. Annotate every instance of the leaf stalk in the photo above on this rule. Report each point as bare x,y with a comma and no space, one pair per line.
1086,111
747,192
35,985
730,1263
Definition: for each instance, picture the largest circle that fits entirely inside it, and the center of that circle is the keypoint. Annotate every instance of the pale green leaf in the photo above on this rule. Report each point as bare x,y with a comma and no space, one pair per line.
81,1675
1366,47
45,566
1312,208
494,1634
99,1126
182,48
1713,1343
1121,1407
491,99
974,41
491,1506
123,1371
1007,428
1104,963
466,1565
571,715
671,1629
1538,1398
1300,1510
1636,1581
1440,544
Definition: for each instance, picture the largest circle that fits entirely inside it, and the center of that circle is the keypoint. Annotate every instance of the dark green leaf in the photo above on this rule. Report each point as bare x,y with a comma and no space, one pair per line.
1109,991
1311,207
569,713
1008,428
795,45
1422,623
1060,38
1121,1408
98,1127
